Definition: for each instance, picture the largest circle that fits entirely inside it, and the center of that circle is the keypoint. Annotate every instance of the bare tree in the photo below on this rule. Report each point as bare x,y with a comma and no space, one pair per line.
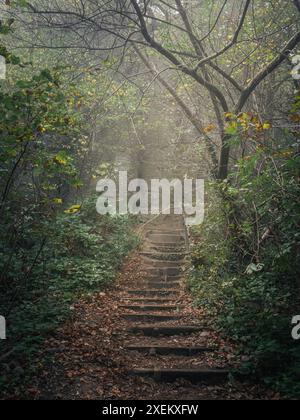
204,54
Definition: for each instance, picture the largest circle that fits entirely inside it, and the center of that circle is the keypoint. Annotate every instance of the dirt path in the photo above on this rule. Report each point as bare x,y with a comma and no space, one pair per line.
142,339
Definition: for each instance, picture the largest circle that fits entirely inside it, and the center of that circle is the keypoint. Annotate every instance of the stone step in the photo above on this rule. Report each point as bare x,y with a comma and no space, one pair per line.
169,349
165,249
166,257
170,245
170,234
149,300
199,375
161,263
146,308
166,238
153,292
166,231
157,330
163,271
162,285
159,279
150,317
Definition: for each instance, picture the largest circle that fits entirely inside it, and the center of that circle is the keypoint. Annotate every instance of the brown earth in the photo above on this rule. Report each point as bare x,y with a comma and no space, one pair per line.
91,356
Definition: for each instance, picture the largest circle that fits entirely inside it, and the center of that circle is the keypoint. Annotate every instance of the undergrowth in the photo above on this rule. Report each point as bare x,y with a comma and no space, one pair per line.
81,254
246,264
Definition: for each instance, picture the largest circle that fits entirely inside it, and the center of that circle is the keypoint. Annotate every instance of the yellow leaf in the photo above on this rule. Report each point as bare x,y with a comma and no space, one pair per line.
267,126
57,200
74,209
61,160
41,129
243,117
209,128
295,118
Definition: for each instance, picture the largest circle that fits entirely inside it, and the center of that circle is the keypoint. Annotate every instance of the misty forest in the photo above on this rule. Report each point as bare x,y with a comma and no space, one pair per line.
136,306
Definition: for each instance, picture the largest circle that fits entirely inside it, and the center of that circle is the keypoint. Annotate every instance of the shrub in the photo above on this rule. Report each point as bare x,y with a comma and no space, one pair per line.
247,265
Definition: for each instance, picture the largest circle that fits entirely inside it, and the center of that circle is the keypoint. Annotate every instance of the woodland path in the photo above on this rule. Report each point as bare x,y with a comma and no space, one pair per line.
142,339
159,326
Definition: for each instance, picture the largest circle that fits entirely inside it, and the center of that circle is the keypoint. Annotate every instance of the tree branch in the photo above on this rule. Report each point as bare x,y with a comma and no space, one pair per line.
189,30
198,45
234,39
215,24
189,114
293,42
172,58
214,66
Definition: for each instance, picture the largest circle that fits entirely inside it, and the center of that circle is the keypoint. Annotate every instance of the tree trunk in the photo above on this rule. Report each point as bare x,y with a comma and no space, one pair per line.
224,157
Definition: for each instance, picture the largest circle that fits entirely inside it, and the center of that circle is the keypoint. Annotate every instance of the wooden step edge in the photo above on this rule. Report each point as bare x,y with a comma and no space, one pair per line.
171,349
159,279
153,292
152,307
150,316
147,258
161,330
150,300
164,244
204,375
159,286
154,254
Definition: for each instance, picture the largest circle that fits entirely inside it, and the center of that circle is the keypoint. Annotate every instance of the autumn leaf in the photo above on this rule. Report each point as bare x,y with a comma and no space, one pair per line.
74,209
232,128
295,118
61,158
267,126
209,128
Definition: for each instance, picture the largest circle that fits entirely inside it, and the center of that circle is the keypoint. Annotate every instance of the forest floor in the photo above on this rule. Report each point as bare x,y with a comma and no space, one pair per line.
86,358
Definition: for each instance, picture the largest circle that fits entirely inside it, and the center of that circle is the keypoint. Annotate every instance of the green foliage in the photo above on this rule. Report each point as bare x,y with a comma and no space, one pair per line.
82,254
52,251
246,261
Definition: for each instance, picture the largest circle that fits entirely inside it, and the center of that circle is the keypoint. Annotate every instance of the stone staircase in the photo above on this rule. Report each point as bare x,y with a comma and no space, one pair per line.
157,325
